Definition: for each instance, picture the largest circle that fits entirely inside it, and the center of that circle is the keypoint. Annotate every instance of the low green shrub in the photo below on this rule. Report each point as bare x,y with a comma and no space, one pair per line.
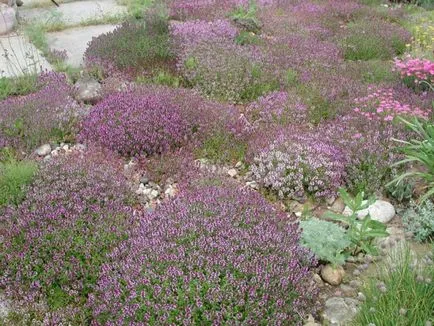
247,38
367,40
222,147
14,177
131,48
22,85
419,220
327,240
246,17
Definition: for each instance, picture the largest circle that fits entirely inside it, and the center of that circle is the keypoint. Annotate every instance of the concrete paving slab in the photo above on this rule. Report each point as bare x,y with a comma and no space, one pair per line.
18,57
72,13
75,41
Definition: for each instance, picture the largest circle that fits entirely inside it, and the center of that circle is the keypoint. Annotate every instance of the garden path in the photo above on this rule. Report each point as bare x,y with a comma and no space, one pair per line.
75,24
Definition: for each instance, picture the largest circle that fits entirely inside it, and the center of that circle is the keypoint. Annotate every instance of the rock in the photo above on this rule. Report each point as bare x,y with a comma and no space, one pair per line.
239,165
87,90
80,147
19,3
348,291
337,206
361,297
318,280
232,173
339,311
355,284
252,184
380,210
396,236
311,321
154,194
43,150
144,179
330,200
8,18
332,275
170,191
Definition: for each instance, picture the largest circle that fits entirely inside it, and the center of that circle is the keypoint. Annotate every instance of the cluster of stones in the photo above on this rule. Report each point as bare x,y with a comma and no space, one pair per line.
48,151
152,194
234,172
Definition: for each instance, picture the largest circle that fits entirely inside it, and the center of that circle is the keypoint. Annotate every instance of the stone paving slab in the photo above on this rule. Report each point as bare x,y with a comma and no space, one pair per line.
43,3
18,56
75,40
72,13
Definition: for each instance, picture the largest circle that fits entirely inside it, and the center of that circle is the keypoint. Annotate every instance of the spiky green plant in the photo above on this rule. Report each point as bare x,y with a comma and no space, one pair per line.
420,152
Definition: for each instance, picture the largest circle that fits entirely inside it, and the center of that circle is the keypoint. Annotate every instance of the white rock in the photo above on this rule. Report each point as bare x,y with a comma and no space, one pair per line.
339,311
43,150
311,321
147,191
8,19
54,153
65,147
232,173
252,184
154,194
87,90
380,210
170,191
239,165
80,147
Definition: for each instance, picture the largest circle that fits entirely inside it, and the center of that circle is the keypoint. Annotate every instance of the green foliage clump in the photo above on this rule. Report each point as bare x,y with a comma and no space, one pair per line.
401,294
327,240
161,78
419,151
247,38
246,17
133,47
222,147
14,177
367,40
377,71
362,233
419,220
22,85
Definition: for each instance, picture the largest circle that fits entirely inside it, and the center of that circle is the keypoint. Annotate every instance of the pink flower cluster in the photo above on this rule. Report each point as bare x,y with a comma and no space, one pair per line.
189,34
420,69
381,104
